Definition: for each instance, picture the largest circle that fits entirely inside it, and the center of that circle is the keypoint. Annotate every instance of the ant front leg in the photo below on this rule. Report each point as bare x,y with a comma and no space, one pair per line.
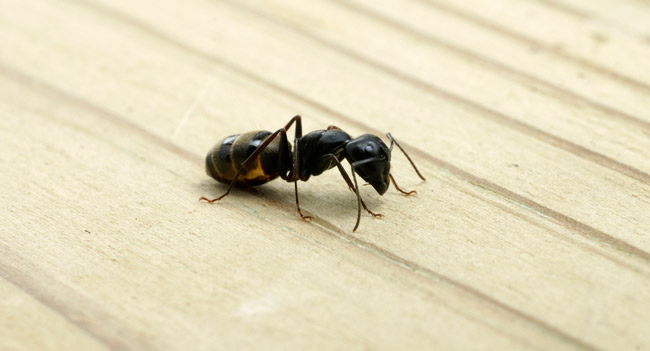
345,176
407,193
355,187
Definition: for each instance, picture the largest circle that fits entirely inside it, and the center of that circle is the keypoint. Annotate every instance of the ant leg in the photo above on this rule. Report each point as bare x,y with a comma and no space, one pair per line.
393,141
298,121
208,200
258,151
298,203
294,174
407,193
353,166
356,191
247,187
345,176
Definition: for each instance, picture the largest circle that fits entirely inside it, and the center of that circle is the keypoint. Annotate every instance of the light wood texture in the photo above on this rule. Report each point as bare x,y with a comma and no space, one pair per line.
529,119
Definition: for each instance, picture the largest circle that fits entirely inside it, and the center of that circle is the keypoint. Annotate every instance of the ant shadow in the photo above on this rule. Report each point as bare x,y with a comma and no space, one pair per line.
317,198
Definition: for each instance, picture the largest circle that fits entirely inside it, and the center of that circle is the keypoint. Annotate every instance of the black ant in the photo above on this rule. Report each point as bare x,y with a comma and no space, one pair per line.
254,158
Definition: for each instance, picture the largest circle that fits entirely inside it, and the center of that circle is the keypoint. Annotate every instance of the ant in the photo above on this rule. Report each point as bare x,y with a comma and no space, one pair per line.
254,158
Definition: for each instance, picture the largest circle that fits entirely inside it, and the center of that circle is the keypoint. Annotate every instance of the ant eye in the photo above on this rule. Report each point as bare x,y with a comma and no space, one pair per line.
368,149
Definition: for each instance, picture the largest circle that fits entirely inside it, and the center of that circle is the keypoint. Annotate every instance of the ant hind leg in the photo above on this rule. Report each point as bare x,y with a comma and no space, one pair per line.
203,198
257,152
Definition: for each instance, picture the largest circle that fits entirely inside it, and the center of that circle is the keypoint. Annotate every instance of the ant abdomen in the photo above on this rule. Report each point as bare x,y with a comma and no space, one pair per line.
224,160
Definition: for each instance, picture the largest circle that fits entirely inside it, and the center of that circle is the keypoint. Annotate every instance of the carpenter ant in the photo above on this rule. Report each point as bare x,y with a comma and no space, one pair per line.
254,158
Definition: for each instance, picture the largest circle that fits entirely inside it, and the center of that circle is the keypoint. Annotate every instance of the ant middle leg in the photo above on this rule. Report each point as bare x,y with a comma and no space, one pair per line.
294,173
298,204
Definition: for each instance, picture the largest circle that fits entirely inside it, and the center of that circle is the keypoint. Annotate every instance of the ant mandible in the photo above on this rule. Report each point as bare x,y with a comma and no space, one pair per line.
254,158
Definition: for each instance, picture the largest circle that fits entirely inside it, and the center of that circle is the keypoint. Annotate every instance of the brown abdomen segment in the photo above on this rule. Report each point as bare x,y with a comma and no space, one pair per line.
227,156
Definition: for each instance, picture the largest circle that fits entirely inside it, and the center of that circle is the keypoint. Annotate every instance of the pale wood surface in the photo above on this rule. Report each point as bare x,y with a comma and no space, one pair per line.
529,118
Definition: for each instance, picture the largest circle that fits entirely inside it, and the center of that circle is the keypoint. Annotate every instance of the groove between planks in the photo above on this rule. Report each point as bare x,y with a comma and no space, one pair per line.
584,15
566,95
80,311
631,82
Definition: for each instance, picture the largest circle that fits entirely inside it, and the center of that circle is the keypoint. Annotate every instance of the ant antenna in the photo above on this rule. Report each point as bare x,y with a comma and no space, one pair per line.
393,141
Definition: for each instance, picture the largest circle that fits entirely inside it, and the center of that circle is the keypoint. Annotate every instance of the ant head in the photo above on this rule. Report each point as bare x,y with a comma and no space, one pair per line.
373,160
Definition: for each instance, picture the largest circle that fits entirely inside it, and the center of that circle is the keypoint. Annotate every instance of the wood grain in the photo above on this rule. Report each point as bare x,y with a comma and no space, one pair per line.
528,118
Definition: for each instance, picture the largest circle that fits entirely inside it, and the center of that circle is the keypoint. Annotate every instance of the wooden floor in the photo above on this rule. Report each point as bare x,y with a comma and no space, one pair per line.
529,119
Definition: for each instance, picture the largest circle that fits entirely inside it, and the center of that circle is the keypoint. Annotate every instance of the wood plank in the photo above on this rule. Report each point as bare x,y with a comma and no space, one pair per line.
26,324
630,17
540,70
592,45
493,253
